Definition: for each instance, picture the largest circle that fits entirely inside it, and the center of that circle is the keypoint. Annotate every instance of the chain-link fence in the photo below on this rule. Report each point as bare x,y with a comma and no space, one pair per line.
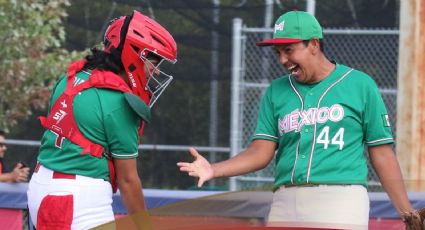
372,51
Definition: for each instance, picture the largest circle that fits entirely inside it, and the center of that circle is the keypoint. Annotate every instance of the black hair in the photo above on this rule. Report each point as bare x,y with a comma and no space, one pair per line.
321,43
2,133
102,60
99,59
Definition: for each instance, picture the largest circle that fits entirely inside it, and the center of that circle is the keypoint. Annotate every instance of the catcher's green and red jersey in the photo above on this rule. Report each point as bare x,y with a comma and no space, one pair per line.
321,129
104,117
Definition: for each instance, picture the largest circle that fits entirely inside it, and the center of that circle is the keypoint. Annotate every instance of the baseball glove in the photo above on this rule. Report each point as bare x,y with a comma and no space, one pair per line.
414,220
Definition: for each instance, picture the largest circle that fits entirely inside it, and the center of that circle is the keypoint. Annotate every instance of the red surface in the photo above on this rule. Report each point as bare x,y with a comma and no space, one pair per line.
11,219
386,224
191,222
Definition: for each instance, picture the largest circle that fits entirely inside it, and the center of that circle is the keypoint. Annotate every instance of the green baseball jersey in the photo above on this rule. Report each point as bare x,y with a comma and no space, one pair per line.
321,129
104,117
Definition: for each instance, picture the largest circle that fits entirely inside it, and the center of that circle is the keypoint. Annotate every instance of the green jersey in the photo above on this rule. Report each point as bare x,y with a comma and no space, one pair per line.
104,117
321,129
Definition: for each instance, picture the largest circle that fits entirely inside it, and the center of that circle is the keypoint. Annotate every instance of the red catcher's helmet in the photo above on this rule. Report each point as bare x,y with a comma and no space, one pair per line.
135,39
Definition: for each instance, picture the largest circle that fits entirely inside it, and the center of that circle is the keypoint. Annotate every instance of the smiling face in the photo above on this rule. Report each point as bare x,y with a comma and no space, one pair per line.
299,59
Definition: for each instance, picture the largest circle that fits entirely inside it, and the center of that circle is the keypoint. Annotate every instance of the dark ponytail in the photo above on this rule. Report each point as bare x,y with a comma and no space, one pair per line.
98,59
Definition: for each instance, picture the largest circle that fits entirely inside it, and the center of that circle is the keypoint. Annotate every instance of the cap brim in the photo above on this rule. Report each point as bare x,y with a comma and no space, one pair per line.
277,41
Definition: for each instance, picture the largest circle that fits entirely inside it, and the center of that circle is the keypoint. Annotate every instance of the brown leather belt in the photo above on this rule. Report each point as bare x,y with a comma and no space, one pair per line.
311,185
300,185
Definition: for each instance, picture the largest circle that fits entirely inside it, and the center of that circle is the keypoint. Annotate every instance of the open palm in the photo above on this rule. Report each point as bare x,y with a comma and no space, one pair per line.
200,167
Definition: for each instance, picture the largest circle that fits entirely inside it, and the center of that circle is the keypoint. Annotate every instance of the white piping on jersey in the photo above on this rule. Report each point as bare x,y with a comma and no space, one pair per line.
86,72
266,135
78,81
315,124
132,155
379,140
297,151
295,164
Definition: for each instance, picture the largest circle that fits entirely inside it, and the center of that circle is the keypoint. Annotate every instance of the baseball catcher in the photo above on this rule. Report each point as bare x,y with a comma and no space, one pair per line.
96,115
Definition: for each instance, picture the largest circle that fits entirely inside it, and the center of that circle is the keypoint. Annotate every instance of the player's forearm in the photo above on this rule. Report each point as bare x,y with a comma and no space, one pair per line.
7,177
388,170
129,184
238,165
255,157
132,196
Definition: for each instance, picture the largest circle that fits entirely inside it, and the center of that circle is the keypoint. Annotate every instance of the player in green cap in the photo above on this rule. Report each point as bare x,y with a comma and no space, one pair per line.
317,119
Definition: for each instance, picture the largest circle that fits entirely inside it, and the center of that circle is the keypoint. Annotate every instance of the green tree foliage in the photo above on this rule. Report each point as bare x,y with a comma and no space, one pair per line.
31,55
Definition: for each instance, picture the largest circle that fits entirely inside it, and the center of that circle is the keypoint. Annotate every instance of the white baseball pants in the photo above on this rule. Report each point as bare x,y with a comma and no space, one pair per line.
328,206
64,201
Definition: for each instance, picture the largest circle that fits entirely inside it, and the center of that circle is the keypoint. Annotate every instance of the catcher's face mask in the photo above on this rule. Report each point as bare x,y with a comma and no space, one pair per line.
157,80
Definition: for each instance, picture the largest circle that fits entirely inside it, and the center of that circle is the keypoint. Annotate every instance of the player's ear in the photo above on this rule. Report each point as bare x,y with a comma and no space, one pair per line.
314,45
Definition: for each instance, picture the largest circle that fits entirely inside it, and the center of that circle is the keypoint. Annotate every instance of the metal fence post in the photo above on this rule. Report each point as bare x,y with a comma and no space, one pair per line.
235,94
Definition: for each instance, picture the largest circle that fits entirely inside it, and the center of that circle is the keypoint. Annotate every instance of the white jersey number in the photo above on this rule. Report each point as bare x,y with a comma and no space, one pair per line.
59,140
337,139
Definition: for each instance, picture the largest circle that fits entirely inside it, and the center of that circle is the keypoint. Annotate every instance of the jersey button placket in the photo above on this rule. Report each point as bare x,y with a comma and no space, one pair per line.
305,147
306,136
308,100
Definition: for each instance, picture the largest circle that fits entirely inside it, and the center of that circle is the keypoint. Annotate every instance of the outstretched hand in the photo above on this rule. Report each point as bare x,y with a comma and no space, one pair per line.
200,167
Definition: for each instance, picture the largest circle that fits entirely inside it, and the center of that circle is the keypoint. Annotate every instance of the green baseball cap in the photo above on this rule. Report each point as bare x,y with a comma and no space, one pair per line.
294,26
